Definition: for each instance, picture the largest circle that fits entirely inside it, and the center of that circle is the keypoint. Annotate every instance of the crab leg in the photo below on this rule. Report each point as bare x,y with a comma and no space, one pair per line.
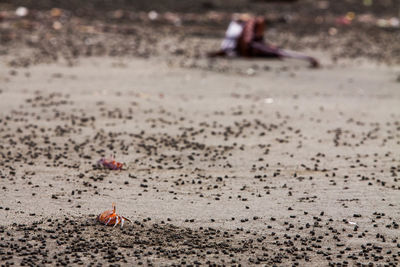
109,220
126,219
116,220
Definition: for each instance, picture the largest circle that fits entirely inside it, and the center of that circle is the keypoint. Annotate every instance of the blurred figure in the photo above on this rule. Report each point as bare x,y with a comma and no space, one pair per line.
245,37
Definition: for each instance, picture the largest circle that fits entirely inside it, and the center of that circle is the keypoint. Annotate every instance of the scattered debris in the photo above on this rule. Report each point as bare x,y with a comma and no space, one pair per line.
21,11
153,15
388,23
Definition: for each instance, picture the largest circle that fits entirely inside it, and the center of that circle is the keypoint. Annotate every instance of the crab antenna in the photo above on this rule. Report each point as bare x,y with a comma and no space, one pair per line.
114,208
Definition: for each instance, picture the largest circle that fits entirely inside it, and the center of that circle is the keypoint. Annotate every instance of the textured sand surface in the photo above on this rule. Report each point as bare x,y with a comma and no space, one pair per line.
279,164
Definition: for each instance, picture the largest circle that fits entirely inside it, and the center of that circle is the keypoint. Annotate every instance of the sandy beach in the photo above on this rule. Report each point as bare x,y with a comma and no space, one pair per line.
226,162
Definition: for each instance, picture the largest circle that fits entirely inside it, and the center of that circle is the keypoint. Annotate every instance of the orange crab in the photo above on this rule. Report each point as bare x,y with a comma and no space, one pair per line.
109,217
110,164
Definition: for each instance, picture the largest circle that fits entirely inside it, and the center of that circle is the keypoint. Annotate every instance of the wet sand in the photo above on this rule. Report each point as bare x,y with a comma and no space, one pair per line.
263,162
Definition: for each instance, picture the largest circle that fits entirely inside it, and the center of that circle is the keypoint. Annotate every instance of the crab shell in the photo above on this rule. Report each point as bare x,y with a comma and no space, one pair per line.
110,218
110,164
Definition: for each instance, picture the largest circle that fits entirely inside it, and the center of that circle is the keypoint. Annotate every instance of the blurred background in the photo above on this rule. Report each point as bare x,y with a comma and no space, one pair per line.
54,29
378,7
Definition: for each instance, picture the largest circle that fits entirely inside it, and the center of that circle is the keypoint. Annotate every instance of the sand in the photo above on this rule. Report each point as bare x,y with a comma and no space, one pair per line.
294,165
